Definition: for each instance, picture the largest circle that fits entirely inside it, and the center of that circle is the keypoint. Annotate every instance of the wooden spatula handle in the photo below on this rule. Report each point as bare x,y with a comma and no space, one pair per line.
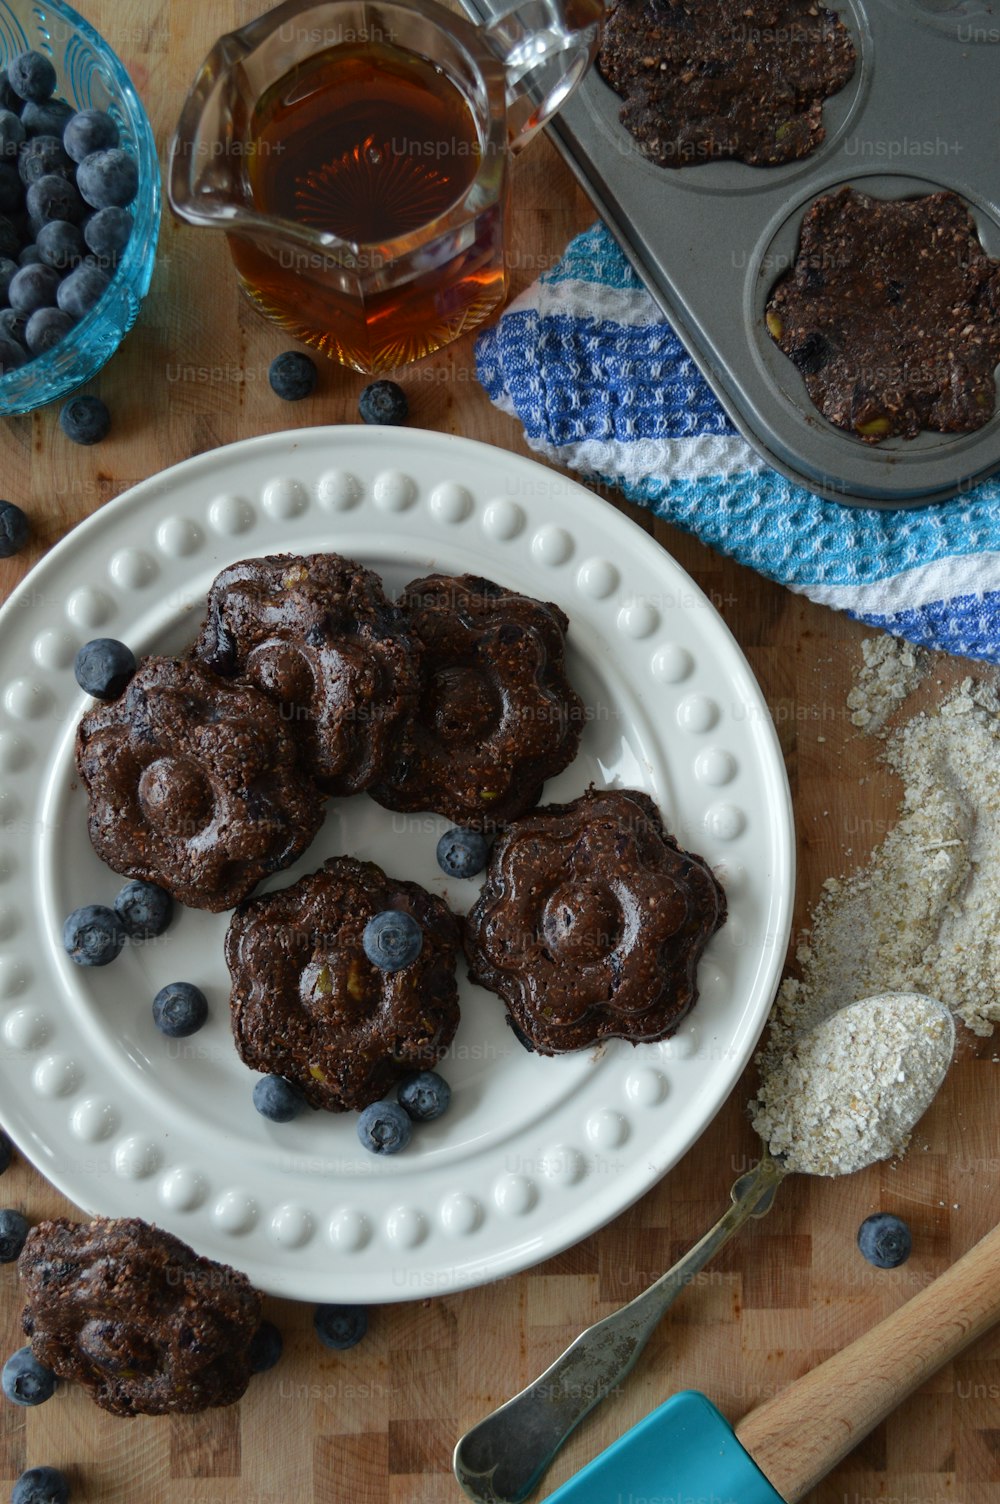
799,1435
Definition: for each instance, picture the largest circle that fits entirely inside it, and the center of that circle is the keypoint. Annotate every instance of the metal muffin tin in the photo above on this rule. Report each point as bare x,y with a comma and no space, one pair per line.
921,114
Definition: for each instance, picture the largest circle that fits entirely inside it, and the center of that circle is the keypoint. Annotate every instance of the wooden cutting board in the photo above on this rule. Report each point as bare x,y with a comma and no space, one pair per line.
377,1425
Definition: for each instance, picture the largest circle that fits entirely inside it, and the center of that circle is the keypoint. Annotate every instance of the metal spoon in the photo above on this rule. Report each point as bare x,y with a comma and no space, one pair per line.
502,1459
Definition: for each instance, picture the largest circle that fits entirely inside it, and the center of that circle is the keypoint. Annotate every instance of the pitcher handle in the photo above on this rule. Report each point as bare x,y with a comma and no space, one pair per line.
546,47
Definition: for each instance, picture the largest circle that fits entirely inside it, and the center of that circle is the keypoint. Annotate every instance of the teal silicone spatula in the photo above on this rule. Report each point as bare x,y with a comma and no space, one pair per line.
686,1450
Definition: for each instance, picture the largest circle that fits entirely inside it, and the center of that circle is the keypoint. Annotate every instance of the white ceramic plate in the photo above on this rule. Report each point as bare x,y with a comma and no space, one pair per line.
535,1153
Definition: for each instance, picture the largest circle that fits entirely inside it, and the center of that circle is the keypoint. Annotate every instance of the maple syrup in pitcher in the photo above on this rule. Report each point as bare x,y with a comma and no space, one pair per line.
368,142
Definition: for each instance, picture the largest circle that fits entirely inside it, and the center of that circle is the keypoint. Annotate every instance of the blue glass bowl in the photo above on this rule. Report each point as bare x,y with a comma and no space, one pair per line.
88,76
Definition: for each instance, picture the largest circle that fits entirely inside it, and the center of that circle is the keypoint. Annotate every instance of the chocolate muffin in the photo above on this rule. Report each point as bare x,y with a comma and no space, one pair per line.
891,313
591,922
309,1005
496,716
318,635
708,79
136,1316
194,784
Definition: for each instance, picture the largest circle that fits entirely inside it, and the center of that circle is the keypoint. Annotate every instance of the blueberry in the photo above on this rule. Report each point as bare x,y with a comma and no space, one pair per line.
383,402
60,244
340,1326
14,529
25,1380
12,355
13,1230
82,290
424,1096
6,1153
885,1240
292,376
11,188
107,232
85,420
462,853
30,255
45,328
46,118
103,667
8,271
87,131
39,157
31,75
13,325
145,909
392,939
41,1485
277,1099
384,1128
11,135
53,197
266,1347
93,935
33,287
108,177
179,1009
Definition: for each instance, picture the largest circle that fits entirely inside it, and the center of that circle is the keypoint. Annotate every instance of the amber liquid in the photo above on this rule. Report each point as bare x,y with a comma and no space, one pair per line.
369,143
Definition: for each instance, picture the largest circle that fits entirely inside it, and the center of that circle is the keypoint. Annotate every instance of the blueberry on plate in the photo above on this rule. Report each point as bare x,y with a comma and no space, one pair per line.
14,529
292,375
277,1099
145,909
384,1128
93,935
45,328
424,1096
60,244
33,287
266,1347
41,1485
6,1153
53,197
107,232
31,75
108,177
885,1240
383,402
26,1381
179,1009
392,939
462,853
13,1230
340,1326
87,131
40,156
103,667
85,420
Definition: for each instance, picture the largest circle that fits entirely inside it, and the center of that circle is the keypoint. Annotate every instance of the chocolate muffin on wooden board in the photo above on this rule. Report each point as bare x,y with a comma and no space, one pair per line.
891,313
307,1003
136,1316
194,783
317,634
591,922
497,715
709,79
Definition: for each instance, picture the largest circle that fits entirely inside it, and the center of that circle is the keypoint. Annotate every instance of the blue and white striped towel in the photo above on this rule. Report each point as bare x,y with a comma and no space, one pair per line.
602,385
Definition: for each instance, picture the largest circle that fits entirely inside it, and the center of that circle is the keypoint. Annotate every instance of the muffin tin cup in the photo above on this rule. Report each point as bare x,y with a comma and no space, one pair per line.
920,115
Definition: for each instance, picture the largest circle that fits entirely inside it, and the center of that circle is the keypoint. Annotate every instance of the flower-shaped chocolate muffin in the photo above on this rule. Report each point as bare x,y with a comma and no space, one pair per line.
136,1316
319,636
194,784
591,922
497,715
309,1005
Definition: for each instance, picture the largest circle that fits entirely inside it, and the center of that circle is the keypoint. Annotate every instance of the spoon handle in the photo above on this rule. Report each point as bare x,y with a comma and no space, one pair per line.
501,1459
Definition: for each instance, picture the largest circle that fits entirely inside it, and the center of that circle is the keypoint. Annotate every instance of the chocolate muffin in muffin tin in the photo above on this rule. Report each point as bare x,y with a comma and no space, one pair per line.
309,1005
709,79
136,1316
317,634
497,715
891,315
591,923
194,783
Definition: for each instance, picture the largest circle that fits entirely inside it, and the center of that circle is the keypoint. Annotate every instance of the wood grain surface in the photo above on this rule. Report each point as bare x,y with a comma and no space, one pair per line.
377,1425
